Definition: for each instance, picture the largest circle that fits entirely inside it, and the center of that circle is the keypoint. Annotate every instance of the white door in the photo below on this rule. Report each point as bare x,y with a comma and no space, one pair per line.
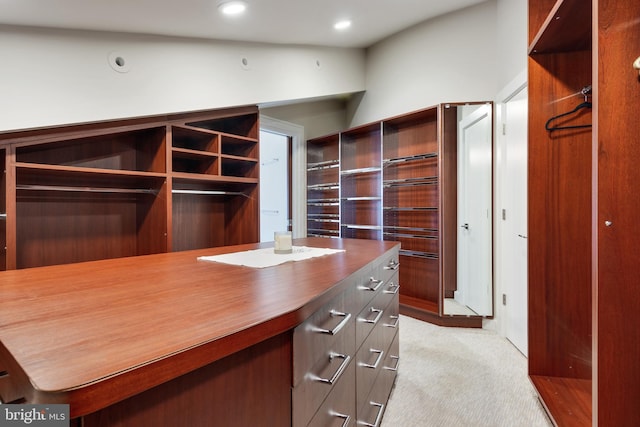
474,211
514,236
274,184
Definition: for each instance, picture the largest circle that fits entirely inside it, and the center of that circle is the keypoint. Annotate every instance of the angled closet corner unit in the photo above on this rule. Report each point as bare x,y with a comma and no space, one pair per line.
396,180
584,101
129,187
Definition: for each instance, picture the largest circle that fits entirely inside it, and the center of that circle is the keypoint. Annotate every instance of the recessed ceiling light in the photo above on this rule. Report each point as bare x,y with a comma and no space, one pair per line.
232,7
342,25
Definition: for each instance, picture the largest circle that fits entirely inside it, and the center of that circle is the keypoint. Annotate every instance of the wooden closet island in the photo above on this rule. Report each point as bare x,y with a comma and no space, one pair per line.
170,340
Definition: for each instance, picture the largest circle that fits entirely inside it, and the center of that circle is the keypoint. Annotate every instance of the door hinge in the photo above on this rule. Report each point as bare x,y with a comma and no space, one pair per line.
504,214
504,299
504,128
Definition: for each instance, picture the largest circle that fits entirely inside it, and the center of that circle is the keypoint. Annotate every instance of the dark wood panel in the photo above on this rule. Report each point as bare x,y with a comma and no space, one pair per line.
361,212
559,233
618,250
412,219
242,223
566,28
414,196
249,388
138,150
568,400
427,168
360,147
198,221
236,124
323,149
419,278
411,134
428,312
449,200
361,185
63,227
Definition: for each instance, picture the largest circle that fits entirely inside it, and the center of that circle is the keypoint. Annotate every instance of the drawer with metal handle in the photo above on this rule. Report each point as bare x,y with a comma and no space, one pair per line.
329,372
374,312
339,408
370,413
320,333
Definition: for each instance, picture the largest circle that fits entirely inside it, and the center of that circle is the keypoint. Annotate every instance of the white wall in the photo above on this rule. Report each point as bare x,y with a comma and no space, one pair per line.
51,77
319,118
512,37
447,59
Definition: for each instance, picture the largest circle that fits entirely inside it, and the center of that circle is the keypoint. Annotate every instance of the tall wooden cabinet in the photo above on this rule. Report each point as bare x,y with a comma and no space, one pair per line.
129,187
584,340
396,181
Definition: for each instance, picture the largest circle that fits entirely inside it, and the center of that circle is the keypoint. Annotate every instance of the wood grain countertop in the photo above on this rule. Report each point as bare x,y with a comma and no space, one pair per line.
93,333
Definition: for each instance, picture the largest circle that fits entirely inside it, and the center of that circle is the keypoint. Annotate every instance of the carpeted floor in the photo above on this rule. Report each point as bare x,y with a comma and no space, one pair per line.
457,377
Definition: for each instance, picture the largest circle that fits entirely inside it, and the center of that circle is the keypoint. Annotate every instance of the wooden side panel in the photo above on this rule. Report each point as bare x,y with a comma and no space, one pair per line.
249,388
618,251
449,200
559,219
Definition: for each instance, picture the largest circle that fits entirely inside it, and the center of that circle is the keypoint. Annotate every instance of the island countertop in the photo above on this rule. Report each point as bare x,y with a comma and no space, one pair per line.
93,333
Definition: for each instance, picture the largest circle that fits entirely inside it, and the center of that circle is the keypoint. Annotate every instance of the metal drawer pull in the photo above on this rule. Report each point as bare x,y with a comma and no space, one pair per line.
393,265
394,286
378,316
394,369
339,371
378,417
395,324
338,327
346,418
378,359
374,284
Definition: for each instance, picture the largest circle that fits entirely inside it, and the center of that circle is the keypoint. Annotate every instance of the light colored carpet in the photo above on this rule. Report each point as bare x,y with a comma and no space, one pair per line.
458,377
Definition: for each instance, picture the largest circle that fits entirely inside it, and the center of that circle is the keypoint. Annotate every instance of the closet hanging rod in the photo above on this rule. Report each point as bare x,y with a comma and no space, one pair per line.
586,104
86,189
210,193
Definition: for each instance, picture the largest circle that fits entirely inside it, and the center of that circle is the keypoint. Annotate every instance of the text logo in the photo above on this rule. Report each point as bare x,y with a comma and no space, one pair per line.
34,415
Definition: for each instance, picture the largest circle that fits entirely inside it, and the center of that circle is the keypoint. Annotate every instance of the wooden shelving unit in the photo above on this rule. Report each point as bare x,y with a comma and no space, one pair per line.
129,187
360,179
411,184
323,186
583,243
397,181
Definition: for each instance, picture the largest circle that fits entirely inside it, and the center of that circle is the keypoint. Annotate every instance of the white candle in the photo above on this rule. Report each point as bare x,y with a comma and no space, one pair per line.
283,242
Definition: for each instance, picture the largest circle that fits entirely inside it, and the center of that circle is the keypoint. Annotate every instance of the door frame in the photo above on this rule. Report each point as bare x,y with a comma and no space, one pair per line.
298,170
499,323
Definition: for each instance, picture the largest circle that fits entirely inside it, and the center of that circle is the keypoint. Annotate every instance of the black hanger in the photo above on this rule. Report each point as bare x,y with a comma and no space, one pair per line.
586,104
